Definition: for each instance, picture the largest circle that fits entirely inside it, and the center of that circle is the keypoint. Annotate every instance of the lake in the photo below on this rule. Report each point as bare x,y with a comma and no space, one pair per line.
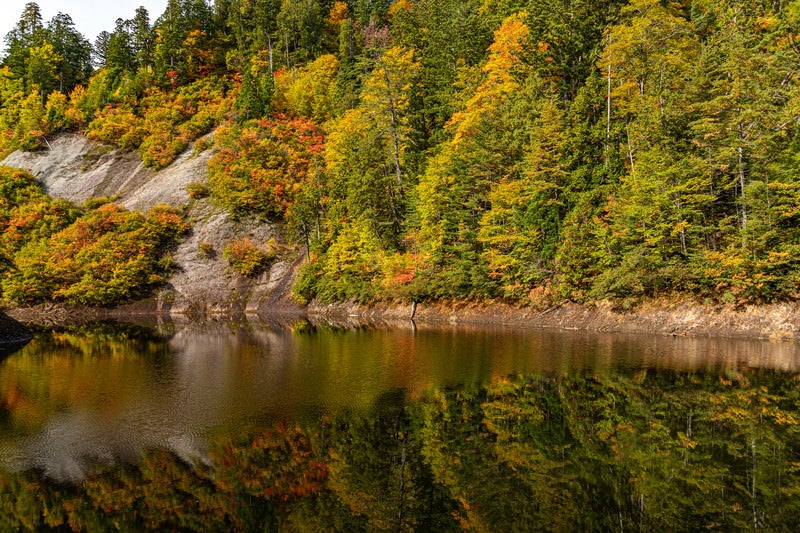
256,426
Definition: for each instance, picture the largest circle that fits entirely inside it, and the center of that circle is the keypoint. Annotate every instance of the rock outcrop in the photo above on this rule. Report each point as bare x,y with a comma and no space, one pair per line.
76,168
13,335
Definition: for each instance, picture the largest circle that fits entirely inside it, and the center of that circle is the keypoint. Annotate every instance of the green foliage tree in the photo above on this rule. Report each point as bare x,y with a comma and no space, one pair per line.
73,50
28,32
143,38
42,70
300,26
453,192
365,150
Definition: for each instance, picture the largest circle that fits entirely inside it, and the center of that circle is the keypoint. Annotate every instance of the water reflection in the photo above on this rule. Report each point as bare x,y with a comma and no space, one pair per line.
264,426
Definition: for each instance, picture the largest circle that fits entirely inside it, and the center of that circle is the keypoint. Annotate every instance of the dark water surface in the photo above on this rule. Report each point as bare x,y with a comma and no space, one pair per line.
253,427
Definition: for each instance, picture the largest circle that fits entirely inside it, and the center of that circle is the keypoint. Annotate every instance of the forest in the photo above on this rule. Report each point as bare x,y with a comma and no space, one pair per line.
525,151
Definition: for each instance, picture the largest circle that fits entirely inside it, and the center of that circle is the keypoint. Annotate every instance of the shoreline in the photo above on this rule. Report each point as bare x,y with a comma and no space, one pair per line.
661,317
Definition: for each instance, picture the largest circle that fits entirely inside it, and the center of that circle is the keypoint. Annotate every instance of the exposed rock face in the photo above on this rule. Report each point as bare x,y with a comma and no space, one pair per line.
13,335
76,168
779,322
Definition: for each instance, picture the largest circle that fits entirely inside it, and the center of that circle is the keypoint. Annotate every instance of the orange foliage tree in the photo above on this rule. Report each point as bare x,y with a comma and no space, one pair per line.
262,165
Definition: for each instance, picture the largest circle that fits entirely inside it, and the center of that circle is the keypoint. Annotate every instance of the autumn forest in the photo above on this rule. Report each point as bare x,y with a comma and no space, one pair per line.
527,151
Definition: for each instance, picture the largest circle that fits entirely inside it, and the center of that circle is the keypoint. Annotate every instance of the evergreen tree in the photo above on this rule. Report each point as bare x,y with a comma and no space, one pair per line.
73,49
119,53
142,38
27,33
100,48
301,26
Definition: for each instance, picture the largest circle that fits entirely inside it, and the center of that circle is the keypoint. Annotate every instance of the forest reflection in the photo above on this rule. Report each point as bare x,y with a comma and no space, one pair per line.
255,427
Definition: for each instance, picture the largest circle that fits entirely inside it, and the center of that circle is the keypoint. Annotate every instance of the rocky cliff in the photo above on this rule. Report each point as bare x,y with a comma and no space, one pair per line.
76,168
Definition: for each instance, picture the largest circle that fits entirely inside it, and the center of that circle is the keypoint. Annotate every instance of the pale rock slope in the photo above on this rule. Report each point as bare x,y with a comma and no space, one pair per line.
76,168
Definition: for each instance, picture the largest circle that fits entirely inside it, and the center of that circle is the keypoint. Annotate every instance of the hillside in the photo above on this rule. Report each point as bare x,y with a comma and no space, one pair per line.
413,151
77,169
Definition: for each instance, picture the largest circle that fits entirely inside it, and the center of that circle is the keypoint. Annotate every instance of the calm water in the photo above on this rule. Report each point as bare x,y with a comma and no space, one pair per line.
253,427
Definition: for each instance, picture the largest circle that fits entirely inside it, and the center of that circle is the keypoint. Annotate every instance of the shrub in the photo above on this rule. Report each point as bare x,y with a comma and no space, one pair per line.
201,145
118,126
160,124
261,166
245,258
159,149
107,256
304,289
197,190
349,270
206,250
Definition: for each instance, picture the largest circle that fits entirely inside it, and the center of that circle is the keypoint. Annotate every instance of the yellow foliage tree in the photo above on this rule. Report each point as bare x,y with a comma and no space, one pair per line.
310,90
502,70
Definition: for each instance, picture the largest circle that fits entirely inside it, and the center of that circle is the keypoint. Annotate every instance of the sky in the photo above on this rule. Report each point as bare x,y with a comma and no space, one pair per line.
90,16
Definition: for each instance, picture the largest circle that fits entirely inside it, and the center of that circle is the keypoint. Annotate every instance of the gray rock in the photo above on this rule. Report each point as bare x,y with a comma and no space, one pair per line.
76,168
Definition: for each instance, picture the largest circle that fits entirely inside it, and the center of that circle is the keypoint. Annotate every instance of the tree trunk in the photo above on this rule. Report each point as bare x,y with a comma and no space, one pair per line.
395,135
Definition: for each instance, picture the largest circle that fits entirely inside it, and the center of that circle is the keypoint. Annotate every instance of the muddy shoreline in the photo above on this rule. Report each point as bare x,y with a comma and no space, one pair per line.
661,317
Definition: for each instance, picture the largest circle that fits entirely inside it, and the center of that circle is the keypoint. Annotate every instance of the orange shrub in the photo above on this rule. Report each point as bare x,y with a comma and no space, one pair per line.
261,166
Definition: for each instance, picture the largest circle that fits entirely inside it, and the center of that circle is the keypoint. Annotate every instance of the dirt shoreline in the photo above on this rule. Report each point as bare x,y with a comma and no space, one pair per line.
662,317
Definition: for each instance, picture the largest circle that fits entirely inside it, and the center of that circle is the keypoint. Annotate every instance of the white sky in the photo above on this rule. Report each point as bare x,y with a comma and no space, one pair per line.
90,16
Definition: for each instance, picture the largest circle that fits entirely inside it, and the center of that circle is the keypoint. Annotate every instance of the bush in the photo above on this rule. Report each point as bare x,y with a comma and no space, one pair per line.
159,149
261,167
197,190
304,289
105,257
245,258
206,250
349,270
160,124
118,126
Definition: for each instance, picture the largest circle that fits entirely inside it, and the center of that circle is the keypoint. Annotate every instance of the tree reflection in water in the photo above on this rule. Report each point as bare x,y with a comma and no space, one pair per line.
617,448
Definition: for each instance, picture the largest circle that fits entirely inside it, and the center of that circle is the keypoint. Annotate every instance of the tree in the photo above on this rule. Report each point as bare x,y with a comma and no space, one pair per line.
657,217
142,38
444,36
520,232
42,69
301,26
27,33
310,90
119,51
171,29
73,49
100,49
454,192
256,90
365,153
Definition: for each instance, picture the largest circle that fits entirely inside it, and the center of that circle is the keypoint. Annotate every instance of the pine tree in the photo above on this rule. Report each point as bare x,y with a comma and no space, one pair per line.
74,50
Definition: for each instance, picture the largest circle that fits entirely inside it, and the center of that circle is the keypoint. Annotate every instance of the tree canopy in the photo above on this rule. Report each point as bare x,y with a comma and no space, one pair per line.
524,150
